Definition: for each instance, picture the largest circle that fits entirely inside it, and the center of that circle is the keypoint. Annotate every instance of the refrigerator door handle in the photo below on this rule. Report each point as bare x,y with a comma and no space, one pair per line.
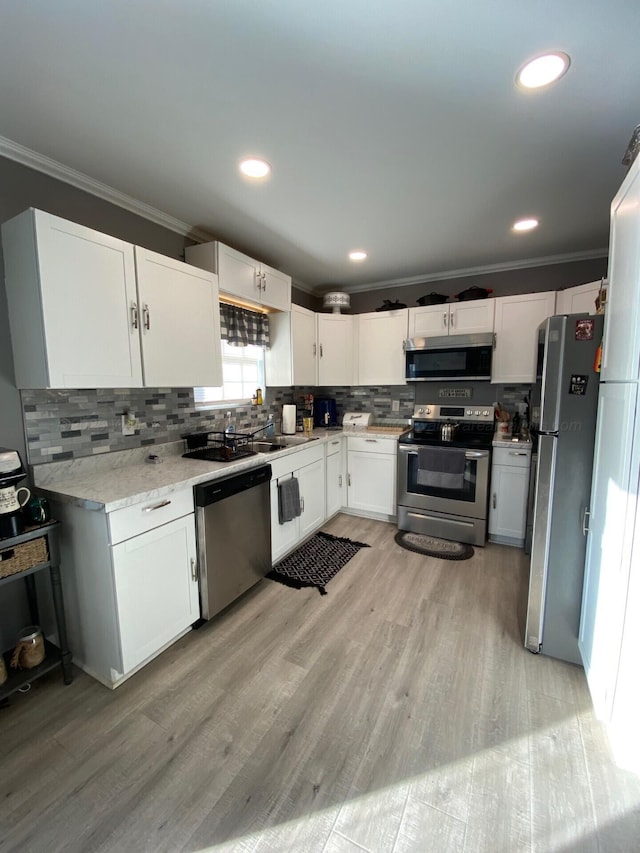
585,521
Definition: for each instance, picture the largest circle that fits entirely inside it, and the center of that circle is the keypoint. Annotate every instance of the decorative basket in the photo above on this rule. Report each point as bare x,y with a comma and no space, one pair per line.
22,557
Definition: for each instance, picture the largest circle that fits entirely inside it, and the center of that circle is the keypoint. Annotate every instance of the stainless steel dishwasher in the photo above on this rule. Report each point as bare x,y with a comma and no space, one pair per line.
233,526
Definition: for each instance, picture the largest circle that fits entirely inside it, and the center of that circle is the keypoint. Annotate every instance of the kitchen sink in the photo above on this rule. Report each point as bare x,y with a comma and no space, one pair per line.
280,441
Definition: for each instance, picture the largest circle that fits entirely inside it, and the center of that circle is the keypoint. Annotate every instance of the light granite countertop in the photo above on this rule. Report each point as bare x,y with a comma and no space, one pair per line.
115,480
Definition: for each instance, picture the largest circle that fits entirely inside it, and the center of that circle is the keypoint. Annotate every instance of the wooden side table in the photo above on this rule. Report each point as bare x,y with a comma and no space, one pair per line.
48,559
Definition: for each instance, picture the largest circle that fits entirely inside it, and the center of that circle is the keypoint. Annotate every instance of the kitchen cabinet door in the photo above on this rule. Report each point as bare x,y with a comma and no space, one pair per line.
508,507
303,335
156,588
621,351
72,301
381,340
609,541
335,476
335,349
284,537
179,317
580,299
276,288
238,274
469,318
516,328
312,494
429,321
371,482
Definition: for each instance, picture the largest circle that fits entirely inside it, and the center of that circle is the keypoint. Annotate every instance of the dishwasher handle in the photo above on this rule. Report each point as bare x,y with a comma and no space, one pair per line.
217,490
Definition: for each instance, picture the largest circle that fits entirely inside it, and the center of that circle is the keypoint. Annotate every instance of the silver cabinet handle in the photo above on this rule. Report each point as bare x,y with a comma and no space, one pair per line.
585,521
518,453
494,340
372,440
264,281
134,315
301,504
194,569
493,502
335,442
340,480
348,479
444,319
156,506
452,318
321,353
146,316
314,350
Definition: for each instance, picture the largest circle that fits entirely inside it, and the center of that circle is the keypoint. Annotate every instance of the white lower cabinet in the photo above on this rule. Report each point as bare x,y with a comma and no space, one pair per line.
371,475
156,588
335,475
308,466
509,490
130,582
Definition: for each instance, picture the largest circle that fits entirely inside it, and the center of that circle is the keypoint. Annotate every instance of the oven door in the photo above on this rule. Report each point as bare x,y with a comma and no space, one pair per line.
470,500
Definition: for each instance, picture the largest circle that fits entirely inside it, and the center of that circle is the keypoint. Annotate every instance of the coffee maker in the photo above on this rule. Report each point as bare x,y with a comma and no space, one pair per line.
11,472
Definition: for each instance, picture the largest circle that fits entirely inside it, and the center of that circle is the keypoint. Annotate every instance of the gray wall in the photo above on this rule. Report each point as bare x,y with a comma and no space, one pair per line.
511,283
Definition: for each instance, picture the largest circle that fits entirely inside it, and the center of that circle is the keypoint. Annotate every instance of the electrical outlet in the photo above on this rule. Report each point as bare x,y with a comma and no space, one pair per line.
395,405
129,424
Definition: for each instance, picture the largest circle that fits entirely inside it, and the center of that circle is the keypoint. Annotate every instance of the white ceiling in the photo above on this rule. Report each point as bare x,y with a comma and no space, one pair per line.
391,125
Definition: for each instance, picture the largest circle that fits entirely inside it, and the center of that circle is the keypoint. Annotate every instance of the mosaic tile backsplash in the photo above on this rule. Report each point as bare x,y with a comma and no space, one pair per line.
67,424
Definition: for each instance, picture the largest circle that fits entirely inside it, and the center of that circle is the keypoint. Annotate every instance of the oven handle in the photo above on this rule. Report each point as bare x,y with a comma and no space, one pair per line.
469,454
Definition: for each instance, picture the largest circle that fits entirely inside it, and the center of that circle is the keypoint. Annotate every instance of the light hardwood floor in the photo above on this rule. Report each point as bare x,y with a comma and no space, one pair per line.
399,712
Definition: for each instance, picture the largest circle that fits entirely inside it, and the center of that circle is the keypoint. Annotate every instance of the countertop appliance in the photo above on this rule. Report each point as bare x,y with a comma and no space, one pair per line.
454,506
233,528
568,395
354,421
11,472
449,357
325,412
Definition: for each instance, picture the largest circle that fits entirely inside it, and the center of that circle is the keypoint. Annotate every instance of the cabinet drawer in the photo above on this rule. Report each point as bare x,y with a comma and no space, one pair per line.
334,445
133,520
516,457
368,444
298,459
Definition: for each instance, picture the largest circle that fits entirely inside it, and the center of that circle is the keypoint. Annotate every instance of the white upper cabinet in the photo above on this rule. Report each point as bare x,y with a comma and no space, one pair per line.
621,350
456,318
580,299
242,276
291,358
380,339
90,311
72,303
179,319
335,349
516,326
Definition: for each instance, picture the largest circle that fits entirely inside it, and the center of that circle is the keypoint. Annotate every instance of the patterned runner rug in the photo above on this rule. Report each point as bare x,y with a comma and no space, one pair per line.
316,561
444,549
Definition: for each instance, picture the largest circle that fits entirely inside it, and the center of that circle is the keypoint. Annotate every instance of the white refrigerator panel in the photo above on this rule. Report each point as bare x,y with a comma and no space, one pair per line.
609,541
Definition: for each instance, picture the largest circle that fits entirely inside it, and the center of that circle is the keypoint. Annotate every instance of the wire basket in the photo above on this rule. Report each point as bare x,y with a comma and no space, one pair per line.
22,557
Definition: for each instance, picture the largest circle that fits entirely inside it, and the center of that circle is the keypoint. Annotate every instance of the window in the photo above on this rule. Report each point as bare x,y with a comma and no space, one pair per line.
245,334
242,373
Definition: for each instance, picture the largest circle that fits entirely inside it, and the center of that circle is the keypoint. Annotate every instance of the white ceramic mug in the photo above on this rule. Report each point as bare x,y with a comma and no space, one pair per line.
9,500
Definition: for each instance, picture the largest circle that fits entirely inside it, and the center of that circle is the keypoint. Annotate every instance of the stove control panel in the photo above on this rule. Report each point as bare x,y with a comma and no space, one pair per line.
437,412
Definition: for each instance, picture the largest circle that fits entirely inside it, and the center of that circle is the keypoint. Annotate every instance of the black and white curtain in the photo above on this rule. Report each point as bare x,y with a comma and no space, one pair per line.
239,326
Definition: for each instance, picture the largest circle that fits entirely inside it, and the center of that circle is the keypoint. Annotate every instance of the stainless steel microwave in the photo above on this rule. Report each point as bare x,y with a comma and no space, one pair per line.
450,357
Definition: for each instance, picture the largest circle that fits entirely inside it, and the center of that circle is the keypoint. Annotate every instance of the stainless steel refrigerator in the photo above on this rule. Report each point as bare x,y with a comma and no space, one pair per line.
568,398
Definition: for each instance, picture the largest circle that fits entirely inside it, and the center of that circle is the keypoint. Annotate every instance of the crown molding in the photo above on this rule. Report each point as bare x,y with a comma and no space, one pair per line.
470,271
26,157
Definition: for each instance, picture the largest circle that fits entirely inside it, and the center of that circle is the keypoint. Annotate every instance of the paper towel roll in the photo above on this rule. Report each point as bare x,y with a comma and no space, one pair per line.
288,420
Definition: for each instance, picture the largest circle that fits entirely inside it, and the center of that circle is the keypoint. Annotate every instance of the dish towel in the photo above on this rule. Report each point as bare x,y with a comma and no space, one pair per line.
441,468
288,500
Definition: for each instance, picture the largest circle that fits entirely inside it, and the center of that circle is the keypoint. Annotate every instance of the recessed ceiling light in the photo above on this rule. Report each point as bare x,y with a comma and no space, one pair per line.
524,225
358,255
543,70
253,167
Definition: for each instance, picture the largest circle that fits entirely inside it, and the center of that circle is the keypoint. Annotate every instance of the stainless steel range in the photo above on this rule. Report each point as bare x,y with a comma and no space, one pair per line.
444,465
